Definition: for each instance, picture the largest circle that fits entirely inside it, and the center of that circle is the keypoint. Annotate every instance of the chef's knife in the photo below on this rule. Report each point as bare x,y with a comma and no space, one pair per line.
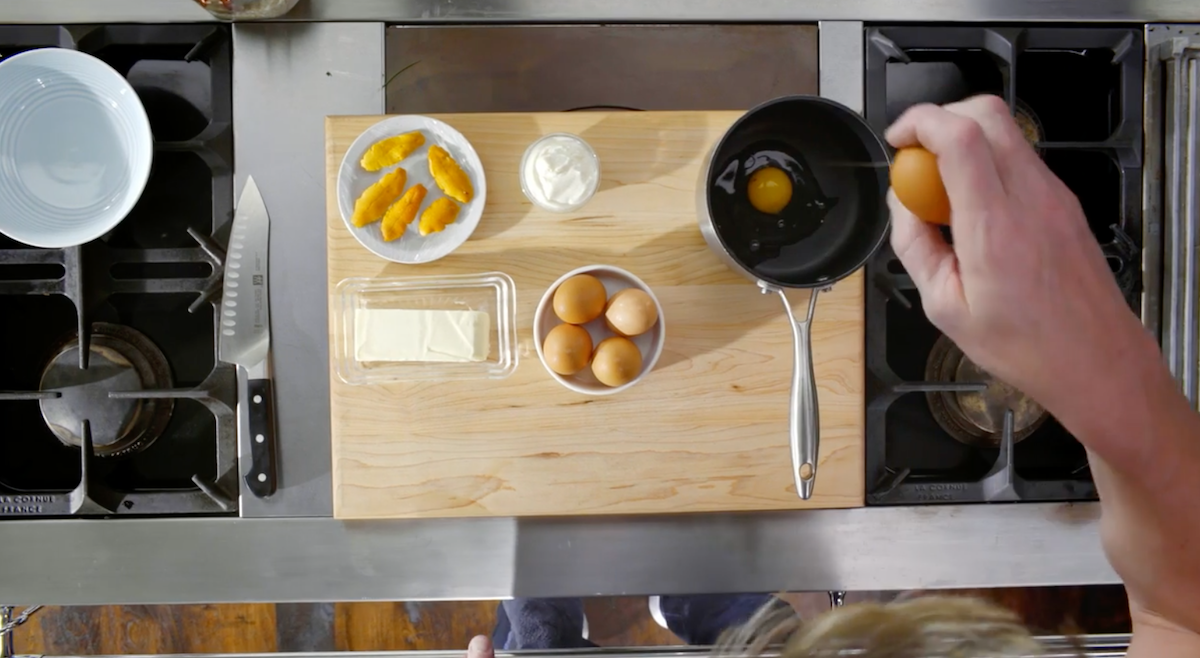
246,333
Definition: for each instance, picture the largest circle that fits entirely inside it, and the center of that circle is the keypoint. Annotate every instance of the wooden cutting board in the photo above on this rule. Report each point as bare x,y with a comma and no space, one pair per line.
706,431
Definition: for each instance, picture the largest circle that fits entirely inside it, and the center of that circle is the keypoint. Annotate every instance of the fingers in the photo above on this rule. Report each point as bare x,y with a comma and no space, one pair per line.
481,647
992,114
964,155
1015,159
928,259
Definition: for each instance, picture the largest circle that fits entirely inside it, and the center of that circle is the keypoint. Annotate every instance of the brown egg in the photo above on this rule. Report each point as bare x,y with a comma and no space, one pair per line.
567,349
631,312
617,361
918,185
580,299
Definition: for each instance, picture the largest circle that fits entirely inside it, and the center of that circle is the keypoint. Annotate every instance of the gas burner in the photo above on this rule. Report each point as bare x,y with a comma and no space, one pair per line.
112,399
1030,125
972,416
122,360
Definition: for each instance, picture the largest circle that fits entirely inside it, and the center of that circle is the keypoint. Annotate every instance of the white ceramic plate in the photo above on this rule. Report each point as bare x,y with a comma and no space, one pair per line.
650,343
75,147
412,248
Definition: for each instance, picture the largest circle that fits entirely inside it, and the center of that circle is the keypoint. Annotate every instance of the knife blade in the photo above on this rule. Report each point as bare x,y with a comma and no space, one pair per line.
246,333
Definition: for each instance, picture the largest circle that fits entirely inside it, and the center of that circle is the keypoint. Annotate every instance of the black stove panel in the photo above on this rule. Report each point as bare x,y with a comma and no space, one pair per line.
1077,92
140,303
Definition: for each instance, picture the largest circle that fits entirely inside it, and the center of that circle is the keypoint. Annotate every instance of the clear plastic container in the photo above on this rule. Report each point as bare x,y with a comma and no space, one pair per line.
493,293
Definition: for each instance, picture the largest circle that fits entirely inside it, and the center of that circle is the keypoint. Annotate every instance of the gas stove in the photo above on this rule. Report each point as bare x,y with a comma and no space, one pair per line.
938,428
113,399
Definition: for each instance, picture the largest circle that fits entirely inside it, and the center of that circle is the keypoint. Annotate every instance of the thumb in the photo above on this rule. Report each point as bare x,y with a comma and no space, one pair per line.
931,263
920,247
480,647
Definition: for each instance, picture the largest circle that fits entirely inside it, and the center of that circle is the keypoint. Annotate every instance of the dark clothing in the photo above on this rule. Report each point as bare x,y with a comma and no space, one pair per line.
558,623
539,624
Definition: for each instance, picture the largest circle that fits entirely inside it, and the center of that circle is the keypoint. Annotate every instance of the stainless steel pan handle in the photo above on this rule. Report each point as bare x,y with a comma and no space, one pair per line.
804,422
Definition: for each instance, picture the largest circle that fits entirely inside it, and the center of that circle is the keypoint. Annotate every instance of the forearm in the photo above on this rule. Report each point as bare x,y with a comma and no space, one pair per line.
1027,295
1143,440
1156,638
1126,409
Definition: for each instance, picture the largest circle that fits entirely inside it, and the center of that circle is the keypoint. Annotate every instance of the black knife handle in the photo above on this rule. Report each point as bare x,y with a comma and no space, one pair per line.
261,479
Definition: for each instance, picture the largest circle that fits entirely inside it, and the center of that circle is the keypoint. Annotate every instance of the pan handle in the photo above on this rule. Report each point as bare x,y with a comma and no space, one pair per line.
804,420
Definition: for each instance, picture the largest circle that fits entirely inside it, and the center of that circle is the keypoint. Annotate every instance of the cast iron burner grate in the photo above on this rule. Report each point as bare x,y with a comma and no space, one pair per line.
1077,92
113,397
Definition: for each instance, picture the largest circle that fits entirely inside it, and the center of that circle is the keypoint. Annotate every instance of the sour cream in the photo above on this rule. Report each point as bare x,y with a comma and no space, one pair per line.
560,172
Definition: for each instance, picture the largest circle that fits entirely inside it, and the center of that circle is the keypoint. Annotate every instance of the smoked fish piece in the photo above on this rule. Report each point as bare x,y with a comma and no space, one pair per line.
403,212
449,176
387,152
440,214
376,199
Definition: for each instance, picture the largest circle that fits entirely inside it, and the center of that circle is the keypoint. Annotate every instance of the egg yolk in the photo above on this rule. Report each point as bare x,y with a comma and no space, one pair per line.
770,190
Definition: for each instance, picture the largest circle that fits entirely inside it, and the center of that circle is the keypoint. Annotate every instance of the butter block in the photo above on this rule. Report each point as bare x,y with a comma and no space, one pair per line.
421,335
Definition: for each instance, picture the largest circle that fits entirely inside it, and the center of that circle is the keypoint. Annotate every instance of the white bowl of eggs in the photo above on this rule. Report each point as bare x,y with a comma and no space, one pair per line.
598,330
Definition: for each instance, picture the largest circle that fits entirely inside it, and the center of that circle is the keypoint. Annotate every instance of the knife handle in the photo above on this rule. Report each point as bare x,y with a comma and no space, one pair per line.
261,479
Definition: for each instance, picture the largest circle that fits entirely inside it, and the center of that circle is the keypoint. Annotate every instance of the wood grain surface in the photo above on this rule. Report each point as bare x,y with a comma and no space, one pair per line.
707,430
149,629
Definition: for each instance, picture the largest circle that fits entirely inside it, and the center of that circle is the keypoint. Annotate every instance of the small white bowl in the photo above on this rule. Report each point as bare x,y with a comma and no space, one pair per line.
650,343
75,148
591,160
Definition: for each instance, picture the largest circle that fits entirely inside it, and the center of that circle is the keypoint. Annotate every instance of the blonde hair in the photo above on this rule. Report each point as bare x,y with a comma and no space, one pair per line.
928,627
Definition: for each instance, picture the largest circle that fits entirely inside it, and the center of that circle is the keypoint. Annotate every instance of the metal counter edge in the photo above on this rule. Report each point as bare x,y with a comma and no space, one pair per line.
121,561
628,11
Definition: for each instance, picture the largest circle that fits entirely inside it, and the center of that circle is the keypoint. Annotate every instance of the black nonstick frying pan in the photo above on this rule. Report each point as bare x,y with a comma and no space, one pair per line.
835,220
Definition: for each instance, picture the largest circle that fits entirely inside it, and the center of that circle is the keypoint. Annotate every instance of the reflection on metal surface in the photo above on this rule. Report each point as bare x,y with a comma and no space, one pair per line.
223,559
1056,646
566,67
1172,143
286,79
8,624
607,11
230,10
841,62
6,636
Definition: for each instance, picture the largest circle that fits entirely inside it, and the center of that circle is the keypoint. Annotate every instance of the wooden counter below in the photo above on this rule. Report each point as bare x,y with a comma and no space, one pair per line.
706,431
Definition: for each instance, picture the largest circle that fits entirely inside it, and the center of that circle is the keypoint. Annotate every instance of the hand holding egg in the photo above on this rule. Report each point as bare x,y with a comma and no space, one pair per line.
918,185
1016,227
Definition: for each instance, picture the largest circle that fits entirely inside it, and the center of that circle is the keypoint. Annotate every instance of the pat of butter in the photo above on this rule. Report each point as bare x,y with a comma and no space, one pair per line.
418,335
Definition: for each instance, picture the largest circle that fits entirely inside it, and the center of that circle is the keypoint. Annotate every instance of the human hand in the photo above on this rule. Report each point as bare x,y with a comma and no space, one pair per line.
1026,293
481,647
1025,290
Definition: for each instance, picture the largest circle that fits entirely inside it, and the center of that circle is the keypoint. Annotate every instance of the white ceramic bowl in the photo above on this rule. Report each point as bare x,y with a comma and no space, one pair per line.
75,148
650,343
412,248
